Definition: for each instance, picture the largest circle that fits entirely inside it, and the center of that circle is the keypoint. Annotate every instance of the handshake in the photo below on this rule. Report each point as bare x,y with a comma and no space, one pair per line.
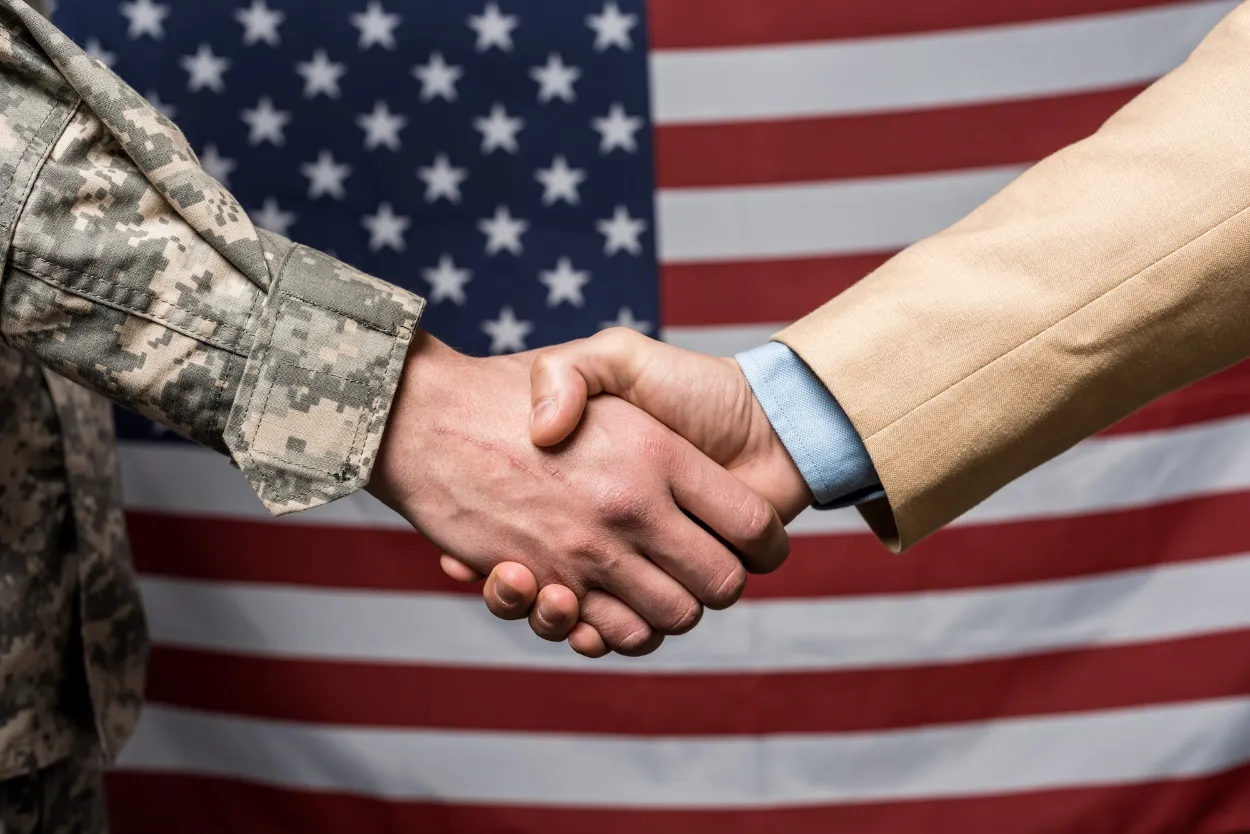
608,521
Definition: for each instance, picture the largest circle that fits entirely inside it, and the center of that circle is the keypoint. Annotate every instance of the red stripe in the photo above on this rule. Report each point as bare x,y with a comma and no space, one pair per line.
158,804
819,566
887,144
695,24
693,295
1222,395
981,556
367,694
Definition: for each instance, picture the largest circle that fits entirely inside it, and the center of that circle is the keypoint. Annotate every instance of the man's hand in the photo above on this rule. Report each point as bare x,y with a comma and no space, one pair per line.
610,509
705,399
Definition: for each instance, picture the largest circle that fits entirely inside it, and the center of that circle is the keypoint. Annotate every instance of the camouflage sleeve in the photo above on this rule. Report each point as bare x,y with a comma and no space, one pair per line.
130,270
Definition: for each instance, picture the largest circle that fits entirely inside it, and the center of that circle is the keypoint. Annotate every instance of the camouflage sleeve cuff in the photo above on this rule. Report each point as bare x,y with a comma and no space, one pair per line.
317,388
133,272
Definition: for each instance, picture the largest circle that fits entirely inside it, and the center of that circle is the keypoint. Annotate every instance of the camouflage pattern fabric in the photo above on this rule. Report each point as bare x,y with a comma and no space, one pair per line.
66,798
130,273
136,274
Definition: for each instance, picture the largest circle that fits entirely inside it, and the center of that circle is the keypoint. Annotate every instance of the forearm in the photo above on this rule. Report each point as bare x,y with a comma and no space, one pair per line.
1106,276
132,271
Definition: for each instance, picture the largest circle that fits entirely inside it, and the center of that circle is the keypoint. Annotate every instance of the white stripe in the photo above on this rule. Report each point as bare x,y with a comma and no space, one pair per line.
1159,603
725,340
1099,475
844,216
1029,754
192,481
867,75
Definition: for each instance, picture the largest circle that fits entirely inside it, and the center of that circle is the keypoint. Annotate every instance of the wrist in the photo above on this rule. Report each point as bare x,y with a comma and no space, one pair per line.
793,494
424,387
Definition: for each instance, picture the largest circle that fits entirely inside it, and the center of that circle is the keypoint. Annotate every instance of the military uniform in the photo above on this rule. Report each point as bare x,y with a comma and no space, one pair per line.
131,273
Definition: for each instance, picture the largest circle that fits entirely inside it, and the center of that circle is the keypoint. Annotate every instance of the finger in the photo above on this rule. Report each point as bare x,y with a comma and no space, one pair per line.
510,591
658,598
613,361
692,555
617,626
730,511
457,569
586,641
564,378
558,396
555,613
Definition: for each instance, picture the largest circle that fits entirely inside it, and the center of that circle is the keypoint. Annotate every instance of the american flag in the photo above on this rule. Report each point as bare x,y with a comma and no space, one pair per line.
1073,655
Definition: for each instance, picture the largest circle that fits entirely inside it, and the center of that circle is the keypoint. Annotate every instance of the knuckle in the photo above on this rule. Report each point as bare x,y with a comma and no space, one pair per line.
616,338
683,617
757,521
624,505
728,590
657,450
543,362
633,640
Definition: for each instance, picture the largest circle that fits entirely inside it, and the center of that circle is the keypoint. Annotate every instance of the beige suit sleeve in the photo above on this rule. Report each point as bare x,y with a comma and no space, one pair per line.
1106,276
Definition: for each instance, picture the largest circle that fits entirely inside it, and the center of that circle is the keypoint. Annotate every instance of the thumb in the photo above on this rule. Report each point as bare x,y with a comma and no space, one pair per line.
564,378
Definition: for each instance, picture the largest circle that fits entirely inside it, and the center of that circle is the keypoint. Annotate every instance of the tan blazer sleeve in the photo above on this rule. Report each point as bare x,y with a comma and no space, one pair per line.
1106,276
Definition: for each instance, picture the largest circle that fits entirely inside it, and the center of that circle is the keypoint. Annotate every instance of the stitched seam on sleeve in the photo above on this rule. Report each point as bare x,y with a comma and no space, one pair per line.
9,222
266,457
356,448
221,393
1058,322
401,330
13,206
230,345
275,286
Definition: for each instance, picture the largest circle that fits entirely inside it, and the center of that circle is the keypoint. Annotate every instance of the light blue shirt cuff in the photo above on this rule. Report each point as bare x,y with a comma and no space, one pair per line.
813,427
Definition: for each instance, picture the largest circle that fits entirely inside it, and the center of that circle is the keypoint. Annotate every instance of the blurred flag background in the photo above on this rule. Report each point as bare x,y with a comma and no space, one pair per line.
1073,655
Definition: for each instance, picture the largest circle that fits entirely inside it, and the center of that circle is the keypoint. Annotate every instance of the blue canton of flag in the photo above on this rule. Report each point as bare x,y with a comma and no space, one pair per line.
494,157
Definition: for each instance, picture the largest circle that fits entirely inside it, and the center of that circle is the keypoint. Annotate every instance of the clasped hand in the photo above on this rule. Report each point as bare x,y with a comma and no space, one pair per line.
610,521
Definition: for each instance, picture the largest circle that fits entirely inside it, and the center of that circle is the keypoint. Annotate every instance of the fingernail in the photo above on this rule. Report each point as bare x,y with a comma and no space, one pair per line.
547,613
506,593
543,412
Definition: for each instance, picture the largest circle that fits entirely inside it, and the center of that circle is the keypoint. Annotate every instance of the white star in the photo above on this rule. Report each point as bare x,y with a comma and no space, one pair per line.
442,180
621,232
617,129
564,283
493,28
611,27
265,123
218,167
560,182
205,69
376,26
386,228
167,110
260,23
498,130
625,318
437,78
273,218
146,18
381,127
325,176
96,50
321,75
503,232
555,80
447,281
506,333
